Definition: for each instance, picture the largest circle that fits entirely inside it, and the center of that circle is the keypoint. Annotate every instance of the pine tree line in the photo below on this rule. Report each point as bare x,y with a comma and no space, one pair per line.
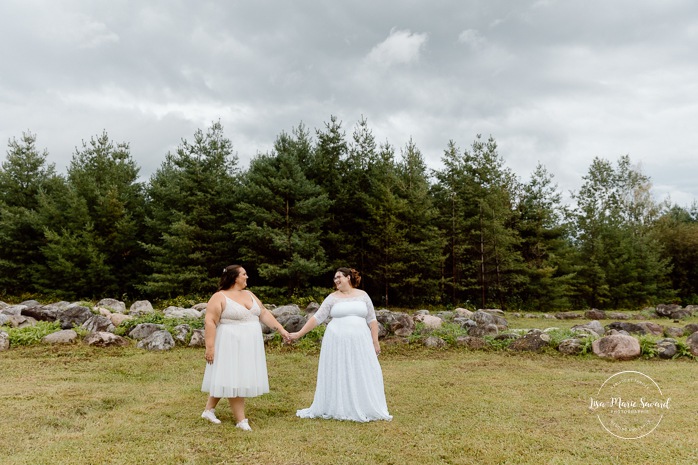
469,233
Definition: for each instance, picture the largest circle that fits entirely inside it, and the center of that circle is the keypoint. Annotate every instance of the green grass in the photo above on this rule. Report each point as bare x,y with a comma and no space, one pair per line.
77,404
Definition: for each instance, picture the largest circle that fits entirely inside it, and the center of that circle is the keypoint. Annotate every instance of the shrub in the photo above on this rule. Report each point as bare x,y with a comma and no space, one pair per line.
648,346
158,318
32,334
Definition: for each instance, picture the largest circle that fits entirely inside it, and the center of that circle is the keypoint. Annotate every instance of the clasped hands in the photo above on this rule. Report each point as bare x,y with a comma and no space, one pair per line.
289,338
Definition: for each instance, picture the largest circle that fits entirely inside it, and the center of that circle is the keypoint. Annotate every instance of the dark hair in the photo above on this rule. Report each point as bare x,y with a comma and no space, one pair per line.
354,276
230,274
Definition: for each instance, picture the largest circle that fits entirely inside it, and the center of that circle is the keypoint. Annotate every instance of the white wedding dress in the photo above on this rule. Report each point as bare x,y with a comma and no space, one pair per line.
349,378
239,367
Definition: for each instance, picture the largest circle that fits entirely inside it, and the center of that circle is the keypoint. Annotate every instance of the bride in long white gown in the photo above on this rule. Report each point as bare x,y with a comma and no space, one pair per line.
349,379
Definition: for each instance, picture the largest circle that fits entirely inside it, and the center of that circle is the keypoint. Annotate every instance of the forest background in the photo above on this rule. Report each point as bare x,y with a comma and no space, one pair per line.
469,234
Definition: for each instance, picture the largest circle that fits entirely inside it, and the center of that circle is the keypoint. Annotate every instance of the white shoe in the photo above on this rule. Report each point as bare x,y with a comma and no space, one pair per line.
244,425
210,415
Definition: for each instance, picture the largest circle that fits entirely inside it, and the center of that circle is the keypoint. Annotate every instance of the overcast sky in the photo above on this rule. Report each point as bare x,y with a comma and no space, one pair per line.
555,82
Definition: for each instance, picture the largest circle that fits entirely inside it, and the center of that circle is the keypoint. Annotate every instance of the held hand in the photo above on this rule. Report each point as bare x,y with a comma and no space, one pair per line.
284,334
377,347
209,356
292,337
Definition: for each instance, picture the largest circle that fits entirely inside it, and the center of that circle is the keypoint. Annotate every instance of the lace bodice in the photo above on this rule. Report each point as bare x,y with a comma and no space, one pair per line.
337,307
234,311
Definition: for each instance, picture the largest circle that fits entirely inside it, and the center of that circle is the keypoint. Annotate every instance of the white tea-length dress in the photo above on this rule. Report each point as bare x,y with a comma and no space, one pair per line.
349,378
239,367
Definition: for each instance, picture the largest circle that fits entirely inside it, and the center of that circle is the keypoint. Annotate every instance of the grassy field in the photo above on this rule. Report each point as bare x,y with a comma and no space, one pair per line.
77,404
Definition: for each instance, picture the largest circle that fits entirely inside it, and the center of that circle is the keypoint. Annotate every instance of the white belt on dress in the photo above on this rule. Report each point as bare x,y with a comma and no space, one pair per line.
228,321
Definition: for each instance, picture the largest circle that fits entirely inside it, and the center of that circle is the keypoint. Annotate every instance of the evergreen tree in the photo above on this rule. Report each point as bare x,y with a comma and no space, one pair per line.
281,215
620,260
545,248
677,232
328,169
423,251
476,195
386,240
93,227
24,178
191,199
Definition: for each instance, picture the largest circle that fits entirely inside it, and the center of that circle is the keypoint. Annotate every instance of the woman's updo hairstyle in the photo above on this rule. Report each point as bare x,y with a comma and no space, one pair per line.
230,274
354,276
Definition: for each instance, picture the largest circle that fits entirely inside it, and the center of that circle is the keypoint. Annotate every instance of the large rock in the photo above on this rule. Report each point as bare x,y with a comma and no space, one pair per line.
4,319
397,323
197,338
618,316
64,336
463,312
595,314
104,339
483,318
312,308
292,323
652,328
20,321
666,309
674,331
429,321
617,347
42,312
143,330
30,303
115,306
434,342
97,323
201,307
692,343
680,314
630,328
4,341
595,327
119,318
471,342
568,316
74,316
159,340
179,313
286,310
181,333
483,330
690,329
13,310
666,348
534,340
140,308
572,346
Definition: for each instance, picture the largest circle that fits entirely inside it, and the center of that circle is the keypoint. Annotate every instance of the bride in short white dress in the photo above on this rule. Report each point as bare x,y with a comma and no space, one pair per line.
240,370
349,379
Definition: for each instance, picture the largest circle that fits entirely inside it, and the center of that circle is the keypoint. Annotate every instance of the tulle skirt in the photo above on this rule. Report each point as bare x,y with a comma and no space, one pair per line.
349,379
239,367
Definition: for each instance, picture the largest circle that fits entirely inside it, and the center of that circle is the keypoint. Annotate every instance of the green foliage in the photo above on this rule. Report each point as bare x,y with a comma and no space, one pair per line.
498,344
683,350
467,232
449,332
31,334
158,318
312,341
281,215
190,235
558,335
648,346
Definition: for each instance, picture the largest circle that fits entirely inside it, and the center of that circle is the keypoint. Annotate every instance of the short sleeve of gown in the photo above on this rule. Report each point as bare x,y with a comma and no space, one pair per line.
371,315
324,311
